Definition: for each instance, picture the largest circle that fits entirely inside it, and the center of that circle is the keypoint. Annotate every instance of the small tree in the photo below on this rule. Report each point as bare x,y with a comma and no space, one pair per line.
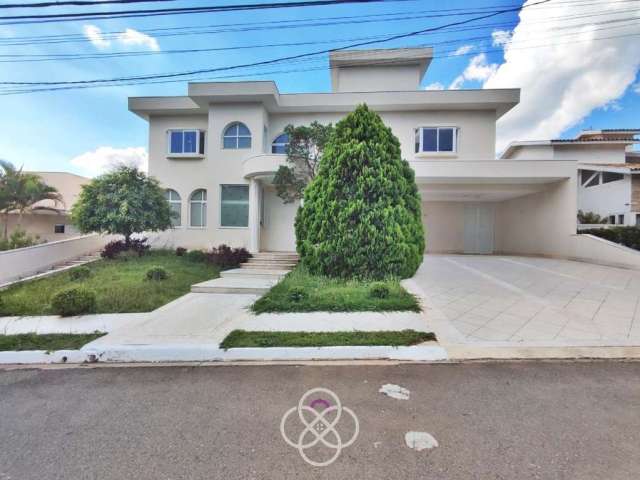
590,218
304,152
361,214
21,190
124,201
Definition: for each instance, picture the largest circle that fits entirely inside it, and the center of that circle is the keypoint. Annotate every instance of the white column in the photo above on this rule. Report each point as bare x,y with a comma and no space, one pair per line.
254,215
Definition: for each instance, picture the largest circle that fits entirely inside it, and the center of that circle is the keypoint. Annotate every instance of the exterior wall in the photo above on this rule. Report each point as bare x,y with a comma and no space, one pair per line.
278,233
444,226
590,153
608,198
41,225
533,152
476,140
22,262
635,193
539,224
378,78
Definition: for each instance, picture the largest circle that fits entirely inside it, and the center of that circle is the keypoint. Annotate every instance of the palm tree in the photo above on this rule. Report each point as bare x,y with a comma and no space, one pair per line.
20,190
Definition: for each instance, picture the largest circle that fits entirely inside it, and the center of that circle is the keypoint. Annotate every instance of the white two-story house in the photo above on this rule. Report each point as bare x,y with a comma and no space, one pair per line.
217,148
608,170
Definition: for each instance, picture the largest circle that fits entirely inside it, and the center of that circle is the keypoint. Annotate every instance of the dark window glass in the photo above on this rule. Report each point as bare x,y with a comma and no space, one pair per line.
176,142
58,229
608,177
429,140
445,140
201,146
234,206
190,142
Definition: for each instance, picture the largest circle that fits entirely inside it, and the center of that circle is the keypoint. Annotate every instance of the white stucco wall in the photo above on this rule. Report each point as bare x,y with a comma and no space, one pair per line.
277,233
378,78
444,226
606,199
41,225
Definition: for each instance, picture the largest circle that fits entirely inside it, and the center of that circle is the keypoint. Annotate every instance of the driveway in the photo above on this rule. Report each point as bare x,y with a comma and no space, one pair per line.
530,300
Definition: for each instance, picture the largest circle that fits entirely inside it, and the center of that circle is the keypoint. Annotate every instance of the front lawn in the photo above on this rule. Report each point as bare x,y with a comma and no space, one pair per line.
300,291
245,339
120,285
48,342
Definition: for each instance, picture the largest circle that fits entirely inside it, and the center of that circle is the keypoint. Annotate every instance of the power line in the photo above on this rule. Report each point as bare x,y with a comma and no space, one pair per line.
60,17
276,60
29,58
76,3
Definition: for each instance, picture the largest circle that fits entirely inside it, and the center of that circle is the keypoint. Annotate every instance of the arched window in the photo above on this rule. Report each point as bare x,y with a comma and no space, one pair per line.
237,135
176,206
198,208
280,144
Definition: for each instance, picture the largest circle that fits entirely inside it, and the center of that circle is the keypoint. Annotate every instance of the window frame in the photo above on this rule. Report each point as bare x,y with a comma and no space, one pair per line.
274,143
200,144
55,229
237,137
172,202
418,131
221,202
201,202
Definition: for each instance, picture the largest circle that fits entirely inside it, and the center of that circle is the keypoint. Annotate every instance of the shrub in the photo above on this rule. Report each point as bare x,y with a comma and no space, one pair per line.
627,236
379,290
157,273
80,273
180,251
18,239
115,248
590,218
361,214
226,257
74,301
297,294
196,256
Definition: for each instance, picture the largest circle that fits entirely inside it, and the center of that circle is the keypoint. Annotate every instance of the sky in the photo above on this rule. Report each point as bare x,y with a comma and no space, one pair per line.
576,62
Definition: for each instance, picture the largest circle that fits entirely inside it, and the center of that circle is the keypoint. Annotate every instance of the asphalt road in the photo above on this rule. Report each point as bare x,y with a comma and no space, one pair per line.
492,421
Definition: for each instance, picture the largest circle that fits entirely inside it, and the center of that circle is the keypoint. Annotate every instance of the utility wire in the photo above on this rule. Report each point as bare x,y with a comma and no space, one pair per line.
276,60
76,3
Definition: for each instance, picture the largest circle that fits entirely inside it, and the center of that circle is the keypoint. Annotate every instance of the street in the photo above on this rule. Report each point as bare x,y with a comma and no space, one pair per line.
517,420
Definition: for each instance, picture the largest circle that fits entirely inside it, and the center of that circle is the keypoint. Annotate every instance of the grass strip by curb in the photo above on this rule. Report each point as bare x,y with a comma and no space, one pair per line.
262,339
48,342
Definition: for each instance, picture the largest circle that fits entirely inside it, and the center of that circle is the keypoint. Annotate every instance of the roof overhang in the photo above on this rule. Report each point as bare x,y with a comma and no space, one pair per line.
201,95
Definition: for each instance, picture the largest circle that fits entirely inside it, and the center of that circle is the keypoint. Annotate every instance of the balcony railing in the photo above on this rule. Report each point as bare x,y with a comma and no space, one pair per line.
264,164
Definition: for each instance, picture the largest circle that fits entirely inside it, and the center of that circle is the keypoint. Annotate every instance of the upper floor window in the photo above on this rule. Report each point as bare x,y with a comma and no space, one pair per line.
237,135
176,207
198,208
436,139
591,178
183,142
280,144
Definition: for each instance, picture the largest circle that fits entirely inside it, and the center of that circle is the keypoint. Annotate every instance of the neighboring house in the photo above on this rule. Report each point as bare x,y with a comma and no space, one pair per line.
608,170
217,148
47,219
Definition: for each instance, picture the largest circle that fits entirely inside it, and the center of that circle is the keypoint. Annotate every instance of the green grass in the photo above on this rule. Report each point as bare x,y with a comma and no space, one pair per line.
332,295
120,285
244,339
49,342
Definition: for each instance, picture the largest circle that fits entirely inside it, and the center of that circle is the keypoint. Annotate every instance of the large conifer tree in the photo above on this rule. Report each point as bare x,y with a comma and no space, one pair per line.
361,214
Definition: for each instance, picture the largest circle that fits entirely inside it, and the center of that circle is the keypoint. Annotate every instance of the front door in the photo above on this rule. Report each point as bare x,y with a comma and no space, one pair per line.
478,228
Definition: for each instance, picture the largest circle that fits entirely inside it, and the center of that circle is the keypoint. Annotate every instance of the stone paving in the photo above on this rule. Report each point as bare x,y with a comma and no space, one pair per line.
529,299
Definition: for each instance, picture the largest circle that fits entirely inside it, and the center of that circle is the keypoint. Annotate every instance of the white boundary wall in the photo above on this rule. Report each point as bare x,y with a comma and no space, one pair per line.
598,250
22,262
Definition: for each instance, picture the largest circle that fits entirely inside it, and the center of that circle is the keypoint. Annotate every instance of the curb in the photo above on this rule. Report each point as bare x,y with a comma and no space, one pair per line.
43,356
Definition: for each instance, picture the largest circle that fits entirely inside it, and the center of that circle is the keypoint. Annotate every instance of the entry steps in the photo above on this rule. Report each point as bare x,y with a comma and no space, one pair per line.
256,276
58,267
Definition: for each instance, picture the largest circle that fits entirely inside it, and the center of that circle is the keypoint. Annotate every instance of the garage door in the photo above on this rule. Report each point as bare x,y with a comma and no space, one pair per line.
478,229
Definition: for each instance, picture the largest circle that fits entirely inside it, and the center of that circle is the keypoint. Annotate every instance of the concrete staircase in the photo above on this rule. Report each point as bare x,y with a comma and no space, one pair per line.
59,267
255,277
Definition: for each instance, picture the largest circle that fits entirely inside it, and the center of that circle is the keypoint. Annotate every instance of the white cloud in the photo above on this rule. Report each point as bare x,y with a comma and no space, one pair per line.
128,38
94,34
478,70
636,88
434,86
500,37
131,37
463,50
613,105
103,159
567,78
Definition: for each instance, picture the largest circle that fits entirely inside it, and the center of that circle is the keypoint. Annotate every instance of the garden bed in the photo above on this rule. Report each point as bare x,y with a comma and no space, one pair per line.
48,342
300,291
257,339
120,285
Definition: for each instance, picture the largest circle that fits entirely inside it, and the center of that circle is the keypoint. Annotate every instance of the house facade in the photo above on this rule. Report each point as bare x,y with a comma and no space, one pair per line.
217,149
47,219
608,170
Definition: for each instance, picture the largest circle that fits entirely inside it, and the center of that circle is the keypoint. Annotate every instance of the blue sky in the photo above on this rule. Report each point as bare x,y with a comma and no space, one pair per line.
565,91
